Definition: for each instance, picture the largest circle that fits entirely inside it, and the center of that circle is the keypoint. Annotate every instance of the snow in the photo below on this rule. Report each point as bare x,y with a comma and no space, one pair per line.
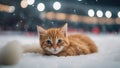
107,57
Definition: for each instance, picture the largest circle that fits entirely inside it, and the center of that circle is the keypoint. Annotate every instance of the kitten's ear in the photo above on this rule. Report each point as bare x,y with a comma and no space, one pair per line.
64,29
41,31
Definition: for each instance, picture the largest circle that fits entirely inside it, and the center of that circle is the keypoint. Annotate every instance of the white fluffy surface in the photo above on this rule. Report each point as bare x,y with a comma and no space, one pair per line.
107,57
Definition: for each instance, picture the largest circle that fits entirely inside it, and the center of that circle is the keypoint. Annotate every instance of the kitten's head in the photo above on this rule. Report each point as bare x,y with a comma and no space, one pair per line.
53,40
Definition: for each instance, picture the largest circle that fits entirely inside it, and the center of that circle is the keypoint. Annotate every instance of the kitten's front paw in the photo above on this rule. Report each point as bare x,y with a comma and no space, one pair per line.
62,54
10,53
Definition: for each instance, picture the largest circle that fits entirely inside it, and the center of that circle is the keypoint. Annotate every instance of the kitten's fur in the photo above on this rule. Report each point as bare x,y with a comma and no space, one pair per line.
56,41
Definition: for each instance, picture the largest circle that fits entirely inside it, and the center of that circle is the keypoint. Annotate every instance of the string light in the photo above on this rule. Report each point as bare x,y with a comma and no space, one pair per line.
99,13
118,14
91,12
41,7
30,2
108,14
7,8
24,3
57,5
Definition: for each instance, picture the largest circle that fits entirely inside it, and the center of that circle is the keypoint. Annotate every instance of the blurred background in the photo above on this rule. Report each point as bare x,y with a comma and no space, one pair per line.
92,16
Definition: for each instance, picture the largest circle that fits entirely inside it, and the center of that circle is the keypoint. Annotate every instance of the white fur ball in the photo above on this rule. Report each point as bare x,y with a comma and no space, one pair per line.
10,53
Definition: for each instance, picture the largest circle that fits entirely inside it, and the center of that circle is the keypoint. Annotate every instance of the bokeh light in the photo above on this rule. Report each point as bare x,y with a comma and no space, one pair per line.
11,9
30,2
74,18
118,14
91,12
61,16
24,4
79,0
108,14
99,13
7,8
50,15
57,5
41,7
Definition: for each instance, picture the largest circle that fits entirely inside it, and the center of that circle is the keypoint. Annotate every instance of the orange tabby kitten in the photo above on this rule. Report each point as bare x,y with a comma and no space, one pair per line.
56,41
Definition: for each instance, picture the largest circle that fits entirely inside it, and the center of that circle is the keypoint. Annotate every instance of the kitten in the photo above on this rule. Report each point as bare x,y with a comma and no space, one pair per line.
56,41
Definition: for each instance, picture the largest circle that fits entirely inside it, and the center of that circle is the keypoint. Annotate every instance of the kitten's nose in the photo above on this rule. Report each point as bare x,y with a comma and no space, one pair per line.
55,47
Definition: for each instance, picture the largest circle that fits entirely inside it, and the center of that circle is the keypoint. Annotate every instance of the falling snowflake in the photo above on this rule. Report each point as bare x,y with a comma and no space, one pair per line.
14,14
86,3
17,25
52,23
21,21
43,24
74,11
79,0
33,5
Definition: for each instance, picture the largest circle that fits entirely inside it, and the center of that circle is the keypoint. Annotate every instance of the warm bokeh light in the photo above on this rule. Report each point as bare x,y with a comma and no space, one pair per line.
118,14
78,18
99,13
11,9
110,20
91,12
41,7
7,8
61,16
101,20
50,15
90,20
30,2
108,14
57,5
24,3
74,18
117,20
